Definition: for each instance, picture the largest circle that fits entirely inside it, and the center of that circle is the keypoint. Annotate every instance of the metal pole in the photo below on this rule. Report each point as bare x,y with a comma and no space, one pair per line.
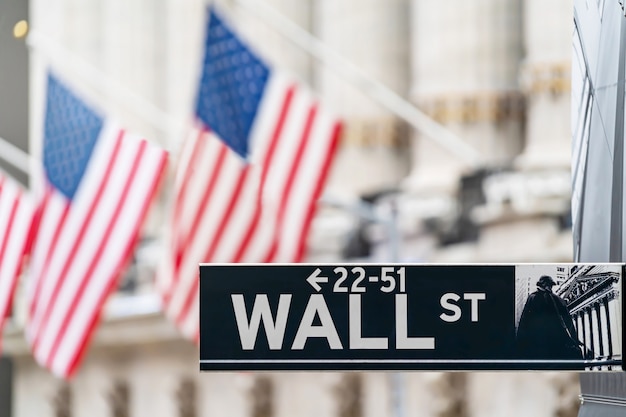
6,386
366,211
366,84
397,378
14,155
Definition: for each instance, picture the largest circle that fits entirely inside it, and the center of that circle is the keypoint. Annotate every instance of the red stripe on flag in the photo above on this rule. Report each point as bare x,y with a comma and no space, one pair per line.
226,218
179,203
24,251
3,246
198,149
98,254
5,242
267,160
198,213
286,193
128,251
32,230
42,273
321,180
78,241
182,241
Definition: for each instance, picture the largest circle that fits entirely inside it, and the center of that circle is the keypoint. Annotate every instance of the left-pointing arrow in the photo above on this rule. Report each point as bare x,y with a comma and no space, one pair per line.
315,280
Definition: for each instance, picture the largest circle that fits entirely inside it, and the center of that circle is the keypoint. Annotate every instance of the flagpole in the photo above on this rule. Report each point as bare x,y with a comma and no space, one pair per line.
14,156
366,84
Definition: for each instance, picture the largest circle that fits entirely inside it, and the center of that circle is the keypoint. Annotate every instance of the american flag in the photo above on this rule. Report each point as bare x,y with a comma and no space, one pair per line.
16,213
250,173
96,186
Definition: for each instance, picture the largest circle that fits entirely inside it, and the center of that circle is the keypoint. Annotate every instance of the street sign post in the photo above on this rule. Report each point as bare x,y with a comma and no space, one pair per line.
409,317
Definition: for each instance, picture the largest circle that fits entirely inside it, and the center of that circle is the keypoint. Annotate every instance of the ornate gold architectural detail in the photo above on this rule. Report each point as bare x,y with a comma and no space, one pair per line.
388,132
485,106
552,78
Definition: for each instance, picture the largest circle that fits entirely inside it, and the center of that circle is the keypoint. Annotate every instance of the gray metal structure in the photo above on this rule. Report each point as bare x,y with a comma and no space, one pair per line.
14,75
6,386
598,90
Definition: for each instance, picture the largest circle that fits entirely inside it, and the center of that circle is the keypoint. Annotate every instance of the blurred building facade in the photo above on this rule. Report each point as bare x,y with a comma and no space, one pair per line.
494,72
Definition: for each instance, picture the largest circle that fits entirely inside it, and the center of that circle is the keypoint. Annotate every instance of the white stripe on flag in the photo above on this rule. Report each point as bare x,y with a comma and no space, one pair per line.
88,306
306,181
15,221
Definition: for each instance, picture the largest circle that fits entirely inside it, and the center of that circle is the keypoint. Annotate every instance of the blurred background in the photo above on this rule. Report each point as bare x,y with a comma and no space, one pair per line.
456,148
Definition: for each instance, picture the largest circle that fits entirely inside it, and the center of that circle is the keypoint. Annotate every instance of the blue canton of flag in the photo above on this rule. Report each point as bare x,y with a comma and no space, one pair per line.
232,83
71,132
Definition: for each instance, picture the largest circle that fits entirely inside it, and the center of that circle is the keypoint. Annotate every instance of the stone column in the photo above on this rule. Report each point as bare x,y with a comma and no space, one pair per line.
306,393
604,326
133,43
377,398
185,25
580,327
83,30
584,327
225,393
593,339
608,326
536,196
373,35
545,78
615,315
465,75
601,332
434,394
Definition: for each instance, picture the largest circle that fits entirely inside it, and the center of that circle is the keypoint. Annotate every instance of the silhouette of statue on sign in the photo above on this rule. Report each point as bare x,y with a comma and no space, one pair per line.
546,329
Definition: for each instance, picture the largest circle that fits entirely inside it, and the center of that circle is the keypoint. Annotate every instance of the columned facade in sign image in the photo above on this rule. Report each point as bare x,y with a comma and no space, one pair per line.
592,294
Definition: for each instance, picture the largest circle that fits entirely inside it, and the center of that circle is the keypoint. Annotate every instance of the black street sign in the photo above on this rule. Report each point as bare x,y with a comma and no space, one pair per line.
410,317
